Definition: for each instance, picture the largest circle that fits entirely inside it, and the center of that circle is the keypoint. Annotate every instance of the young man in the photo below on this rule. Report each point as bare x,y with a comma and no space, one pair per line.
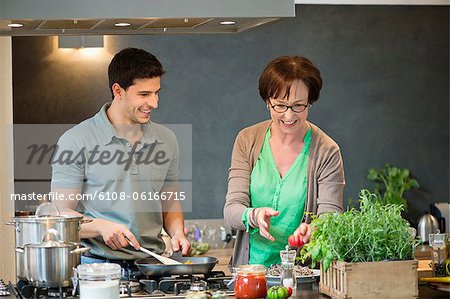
117,166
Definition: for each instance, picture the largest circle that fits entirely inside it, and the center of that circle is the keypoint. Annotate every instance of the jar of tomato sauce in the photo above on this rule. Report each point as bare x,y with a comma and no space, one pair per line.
251,282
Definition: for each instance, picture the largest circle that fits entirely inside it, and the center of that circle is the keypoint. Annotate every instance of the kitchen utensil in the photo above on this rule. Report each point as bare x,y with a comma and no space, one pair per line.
50,262
428,224
162,259
189,265
31,229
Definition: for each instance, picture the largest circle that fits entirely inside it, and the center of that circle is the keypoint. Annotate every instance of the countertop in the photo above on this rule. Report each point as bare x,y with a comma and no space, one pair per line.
224,256
311,290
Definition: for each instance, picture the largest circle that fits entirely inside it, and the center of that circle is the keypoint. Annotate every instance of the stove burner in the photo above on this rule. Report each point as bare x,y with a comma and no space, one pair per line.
129,287
58,292
4,291
198,286
174,285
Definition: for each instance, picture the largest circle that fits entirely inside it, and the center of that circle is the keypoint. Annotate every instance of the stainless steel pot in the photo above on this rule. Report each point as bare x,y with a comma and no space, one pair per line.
31,229
50,263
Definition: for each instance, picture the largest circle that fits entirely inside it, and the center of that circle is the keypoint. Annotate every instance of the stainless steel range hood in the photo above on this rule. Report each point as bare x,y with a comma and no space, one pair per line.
94,17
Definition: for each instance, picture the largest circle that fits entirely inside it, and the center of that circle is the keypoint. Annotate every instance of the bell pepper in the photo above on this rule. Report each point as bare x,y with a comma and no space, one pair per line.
278,292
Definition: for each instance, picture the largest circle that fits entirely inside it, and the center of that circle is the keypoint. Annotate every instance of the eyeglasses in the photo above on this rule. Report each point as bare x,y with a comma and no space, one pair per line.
296,108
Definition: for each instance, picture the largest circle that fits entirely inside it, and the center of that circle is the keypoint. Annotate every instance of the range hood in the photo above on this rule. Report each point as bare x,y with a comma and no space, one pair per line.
100,17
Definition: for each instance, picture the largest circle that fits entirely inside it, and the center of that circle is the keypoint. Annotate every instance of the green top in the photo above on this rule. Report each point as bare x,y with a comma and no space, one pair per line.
287,195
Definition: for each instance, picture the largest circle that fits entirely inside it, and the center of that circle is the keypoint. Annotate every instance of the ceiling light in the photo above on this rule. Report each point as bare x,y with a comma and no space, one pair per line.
122,24
80,41
227,23
15,25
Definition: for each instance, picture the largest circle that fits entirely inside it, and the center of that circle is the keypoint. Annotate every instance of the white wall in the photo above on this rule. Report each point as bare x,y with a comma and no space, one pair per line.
7,256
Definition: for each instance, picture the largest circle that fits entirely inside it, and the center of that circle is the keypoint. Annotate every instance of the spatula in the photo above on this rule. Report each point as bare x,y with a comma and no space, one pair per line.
162,259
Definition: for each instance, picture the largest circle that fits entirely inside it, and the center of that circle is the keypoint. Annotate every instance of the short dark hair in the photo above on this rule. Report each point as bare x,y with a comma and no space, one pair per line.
130,64
278,76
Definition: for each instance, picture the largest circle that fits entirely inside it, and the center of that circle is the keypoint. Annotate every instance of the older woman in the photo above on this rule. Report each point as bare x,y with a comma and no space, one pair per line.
283,167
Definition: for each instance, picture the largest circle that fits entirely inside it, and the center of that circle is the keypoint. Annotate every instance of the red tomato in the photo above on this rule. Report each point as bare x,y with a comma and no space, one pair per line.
295,241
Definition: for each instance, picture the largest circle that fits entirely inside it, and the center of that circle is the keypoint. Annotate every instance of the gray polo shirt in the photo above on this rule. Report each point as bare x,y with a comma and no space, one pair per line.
119,181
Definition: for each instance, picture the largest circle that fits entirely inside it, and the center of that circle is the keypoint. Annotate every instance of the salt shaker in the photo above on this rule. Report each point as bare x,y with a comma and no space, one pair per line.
287,269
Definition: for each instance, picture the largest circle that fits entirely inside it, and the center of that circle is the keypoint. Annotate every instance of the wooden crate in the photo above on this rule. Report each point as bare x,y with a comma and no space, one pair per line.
387,279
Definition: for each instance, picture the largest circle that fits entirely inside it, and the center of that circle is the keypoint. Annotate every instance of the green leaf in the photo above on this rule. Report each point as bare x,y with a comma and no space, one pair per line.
373,174
414,183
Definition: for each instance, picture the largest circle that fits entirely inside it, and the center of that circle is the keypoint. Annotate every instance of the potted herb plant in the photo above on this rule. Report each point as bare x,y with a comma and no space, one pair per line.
364,253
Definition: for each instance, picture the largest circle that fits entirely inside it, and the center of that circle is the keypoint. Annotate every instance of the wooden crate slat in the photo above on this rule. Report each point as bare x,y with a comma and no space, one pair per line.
386,279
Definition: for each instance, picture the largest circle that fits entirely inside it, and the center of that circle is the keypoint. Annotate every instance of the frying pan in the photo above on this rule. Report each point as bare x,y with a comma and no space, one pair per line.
199,265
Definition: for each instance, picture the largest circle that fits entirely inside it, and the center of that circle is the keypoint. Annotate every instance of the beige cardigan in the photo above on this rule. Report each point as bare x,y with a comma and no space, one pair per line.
325,183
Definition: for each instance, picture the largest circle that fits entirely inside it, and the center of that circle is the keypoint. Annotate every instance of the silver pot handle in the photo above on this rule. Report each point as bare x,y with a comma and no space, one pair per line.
12,223
20,250
85,220
80,250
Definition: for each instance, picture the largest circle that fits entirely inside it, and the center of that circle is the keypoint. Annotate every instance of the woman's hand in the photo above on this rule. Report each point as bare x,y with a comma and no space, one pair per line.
304,231
262,219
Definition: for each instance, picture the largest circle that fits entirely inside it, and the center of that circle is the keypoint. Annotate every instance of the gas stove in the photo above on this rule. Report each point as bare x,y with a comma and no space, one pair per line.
175,286
137,287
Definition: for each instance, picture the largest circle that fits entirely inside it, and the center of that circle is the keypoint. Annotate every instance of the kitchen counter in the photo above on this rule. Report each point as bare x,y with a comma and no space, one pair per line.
223,256
311,291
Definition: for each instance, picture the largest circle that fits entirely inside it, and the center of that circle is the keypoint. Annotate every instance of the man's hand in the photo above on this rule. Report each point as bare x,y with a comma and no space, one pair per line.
304,231
114,234
179,242
262,219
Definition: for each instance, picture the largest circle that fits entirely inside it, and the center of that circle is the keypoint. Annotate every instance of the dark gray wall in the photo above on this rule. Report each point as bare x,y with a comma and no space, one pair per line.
385,95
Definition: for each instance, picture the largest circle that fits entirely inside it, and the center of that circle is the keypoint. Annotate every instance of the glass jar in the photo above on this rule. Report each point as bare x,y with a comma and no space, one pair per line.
438,244
250,282
99,280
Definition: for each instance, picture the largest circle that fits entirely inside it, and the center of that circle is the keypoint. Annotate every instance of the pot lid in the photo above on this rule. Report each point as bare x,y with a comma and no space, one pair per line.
47,209
52,239
61,218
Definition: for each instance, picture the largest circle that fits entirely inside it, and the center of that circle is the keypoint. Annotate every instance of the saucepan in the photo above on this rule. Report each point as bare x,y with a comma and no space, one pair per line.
189,265
50,263
31,229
